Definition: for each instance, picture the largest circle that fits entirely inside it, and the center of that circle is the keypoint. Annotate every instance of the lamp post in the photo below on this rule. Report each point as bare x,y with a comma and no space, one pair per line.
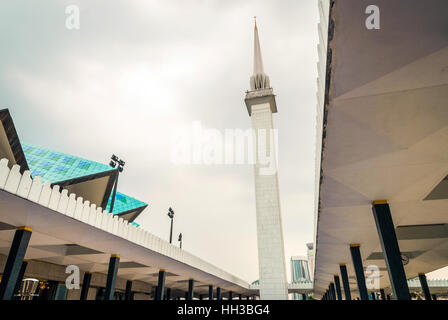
180,240
113,163
171,215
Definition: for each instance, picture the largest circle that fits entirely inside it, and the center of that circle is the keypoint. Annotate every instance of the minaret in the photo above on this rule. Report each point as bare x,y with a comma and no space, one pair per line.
260,102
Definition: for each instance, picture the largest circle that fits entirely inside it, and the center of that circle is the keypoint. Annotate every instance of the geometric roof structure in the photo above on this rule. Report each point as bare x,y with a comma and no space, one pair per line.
382,134
126,207
86,178
69,230
57,166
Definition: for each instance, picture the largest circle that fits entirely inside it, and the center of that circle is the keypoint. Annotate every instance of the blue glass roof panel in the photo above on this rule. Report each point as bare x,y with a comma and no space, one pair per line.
56,166
124,203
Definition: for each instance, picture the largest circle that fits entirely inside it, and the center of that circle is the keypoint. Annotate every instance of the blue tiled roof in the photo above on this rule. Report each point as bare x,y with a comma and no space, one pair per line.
124,203
57,166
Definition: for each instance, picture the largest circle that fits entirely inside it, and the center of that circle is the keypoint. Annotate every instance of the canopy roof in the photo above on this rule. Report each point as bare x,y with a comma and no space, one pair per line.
382,135
91,180
57,167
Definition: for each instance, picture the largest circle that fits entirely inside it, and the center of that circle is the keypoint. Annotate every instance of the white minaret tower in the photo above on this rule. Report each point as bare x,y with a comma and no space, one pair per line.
260,102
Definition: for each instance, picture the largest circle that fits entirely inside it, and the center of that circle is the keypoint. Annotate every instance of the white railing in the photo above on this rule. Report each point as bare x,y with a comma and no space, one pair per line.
297,285
435,283
33,189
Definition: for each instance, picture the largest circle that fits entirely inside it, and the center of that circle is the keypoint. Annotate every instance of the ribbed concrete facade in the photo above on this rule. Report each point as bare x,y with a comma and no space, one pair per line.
273,283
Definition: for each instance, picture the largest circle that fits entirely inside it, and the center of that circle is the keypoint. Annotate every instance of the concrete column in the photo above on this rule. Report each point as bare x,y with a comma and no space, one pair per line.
383,294
128,292
190,289
168,294
85,286
337,284
230,295
240,297
14,262
201,297
210,292
424,285
114,262
359,271
333,291
161,285
391,250
61,292
218,293
20,277
345,283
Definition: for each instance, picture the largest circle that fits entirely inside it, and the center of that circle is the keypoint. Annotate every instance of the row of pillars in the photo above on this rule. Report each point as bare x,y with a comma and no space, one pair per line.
162,294
392,257
16,265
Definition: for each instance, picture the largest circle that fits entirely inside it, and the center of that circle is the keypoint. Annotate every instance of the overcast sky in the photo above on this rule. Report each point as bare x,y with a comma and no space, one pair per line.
137,70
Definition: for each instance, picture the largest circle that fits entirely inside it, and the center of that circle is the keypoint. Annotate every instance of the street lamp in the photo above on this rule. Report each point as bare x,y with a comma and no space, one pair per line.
180,239
113,163
171,215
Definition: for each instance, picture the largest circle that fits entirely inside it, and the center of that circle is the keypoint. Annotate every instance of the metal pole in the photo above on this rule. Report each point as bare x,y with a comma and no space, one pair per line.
171,231
114,193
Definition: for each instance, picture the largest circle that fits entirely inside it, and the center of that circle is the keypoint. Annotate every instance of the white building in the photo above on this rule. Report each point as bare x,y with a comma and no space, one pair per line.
260,102
299,272
310,254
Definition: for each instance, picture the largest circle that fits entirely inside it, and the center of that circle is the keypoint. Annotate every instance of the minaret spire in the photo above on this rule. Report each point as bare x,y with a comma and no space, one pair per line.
259,79
260,103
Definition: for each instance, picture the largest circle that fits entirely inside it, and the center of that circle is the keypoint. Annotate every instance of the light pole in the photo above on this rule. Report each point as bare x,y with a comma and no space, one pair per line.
180,240
113,163
171,215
